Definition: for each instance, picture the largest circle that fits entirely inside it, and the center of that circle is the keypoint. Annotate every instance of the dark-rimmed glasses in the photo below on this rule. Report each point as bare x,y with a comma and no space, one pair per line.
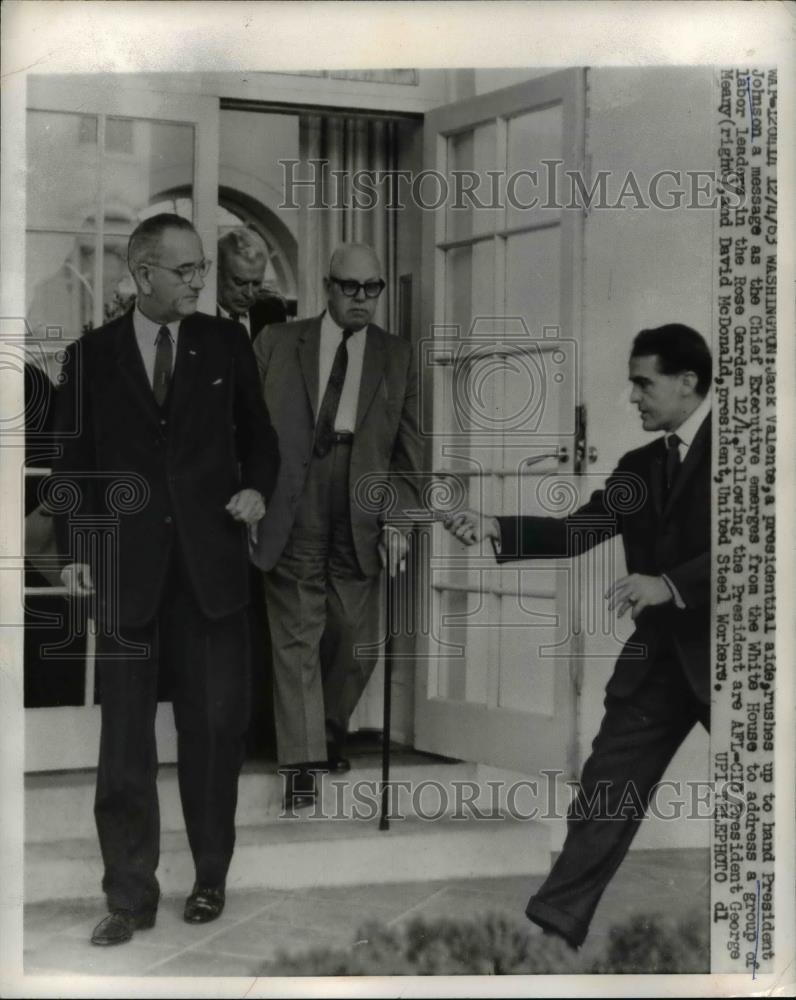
351,288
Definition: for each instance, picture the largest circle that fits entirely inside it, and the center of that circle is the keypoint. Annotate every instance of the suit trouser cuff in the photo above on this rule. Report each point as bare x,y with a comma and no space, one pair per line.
548,917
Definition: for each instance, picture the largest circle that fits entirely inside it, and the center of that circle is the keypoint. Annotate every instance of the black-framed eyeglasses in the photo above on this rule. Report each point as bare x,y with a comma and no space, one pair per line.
350,288
187,272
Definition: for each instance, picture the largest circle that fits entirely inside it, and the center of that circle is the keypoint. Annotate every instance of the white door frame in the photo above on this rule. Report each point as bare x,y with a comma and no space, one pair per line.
480,730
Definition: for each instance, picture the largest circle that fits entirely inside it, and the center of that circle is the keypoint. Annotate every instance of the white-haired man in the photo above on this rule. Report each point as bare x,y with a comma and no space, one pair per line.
242,256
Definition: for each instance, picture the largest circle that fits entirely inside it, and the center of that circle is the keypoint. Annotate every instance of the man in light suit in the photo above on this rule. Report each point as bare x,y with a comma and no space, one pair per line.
164,402
242,256
342,394
651,703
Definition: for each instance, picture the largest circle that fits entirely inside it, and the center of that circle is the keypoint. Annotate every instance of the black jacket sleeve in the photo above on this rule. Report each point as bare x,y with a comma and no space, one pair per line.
536,537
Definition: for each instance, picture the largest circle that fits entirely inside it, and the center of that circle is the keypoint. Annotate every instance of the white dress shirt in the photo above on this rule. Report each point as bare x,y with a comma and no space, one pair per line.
331,335
146,335
687,431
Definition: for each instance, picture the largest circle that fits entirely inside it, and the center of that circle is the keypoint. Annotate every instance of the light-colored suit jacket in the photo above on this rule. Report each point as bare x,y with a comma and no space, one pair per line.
386,455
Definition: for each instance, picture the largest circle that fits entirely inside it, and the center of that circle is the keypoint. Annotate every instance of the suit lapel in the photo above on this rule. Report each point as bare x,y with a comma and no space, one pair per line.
656,477
373,364
692,460
131,368
309,349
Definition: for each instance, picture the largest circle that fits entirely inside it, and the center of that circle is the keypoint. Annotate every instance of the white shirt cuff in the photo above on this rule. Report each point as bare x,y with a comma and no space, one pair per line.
678,600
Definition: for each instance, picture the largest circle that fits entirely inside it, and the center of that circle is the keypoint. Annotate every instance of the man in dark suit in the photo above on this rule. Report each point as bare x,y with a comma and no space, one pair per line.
242,256
173,453
658,499
342,393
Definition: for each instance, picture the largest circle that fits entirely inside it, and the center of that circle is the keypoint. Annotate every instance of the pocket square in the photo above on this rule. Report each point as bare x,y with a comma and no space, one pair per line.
218,381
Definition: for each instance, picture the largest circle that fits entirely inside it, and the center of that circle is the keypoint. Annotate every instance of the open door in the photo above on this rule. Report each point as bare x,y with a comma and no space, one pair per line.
498,670
103,152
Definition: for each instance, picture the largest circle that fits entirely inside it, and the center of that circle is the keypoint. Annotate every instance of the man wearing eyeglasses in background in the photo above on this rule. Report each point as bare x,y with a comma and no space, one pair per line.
167,404
242,256
342,394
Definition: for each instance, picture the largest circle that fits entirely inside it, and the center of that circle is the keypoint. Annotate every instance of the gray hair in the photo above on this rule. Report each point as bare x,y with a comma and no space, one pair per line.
146,236
243,242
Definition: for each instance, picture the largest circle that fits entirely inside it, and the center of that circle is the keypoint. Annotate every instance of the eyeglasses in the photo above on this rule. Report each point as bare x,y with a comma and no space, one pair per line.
187,272
350,288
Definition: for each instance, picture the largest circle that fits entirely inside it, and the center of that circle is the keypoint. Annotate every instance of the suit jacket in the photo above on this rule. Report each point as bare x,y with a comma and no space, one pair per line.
671,538
386,446
212,438
266,311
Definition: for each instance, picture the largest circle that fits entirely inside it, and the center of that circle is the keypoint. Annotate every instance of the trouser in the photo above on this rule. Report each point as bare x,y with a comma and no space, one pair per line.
637,739
209,665
323,614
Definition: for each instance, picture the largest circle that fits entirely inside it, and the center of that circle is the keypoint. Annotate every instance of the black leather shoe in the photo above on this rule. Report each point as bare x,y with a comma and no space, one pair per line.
119,925
335,761
203,905
301,788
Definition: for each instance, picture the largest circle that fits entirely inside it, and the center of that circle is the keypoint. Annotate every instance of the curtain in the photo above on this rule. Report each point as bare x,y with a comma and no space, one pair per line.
331,149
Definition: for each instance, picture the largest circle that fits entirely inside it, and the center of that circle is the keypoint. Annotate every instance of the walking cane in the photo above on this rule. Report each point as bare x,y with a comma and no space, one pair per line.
384,820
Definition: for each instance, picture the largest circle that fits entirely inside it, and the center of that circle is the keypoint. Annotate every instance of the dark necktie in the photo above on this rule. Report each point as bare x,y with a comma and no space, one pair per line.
324,428
235,317
164,359
672,460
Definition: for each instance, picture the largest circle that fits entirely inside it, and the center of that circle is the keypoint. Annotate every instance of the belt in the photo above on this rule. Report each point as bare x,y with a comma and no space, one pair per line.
342,437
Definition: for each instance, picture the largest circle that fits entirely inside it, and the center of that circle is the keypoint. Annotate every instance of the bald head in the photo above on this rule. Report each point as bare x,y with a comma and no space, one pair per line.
354,264
348,255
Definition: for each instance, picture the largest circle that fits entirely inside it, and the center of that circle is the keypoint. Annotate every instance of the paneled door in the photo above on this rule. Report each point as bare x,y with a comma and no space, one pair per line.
498,670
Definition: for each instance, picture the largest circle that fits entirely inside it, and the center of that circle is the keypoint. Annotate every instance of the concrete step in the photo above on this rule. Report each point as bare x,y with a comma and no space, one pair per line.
305,852
60,805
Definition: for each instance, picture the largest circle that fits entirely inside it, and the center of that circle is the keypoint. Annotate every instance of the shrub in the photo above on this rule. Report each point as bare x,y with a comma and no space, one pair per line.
496,945
656,944
502,945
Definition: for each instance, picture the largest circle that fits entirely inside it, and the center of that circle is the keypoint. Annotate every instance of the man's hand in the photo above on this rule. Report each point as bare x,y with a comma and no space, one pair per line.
470,526
637,592
247,506
76,577
393,546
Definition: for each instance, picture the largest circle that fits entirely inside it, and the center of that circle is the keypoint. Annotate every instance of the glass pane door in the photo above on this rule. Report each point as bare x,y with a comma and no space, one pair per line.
501,344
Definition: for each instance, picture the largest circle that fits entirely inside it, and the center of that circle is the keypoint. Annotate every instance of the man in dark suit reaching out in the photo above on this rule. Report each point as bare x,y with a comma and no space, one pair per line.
651,703
165,401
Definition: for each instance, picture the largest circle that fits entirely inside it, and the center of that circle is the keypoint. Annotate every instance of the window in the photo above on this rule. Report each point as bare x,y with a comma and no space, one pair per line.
91,179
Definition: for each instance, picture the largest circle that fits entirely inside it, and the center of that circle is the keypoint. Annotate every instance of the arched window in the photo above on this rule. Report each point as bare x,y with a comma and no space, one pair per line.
236,209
